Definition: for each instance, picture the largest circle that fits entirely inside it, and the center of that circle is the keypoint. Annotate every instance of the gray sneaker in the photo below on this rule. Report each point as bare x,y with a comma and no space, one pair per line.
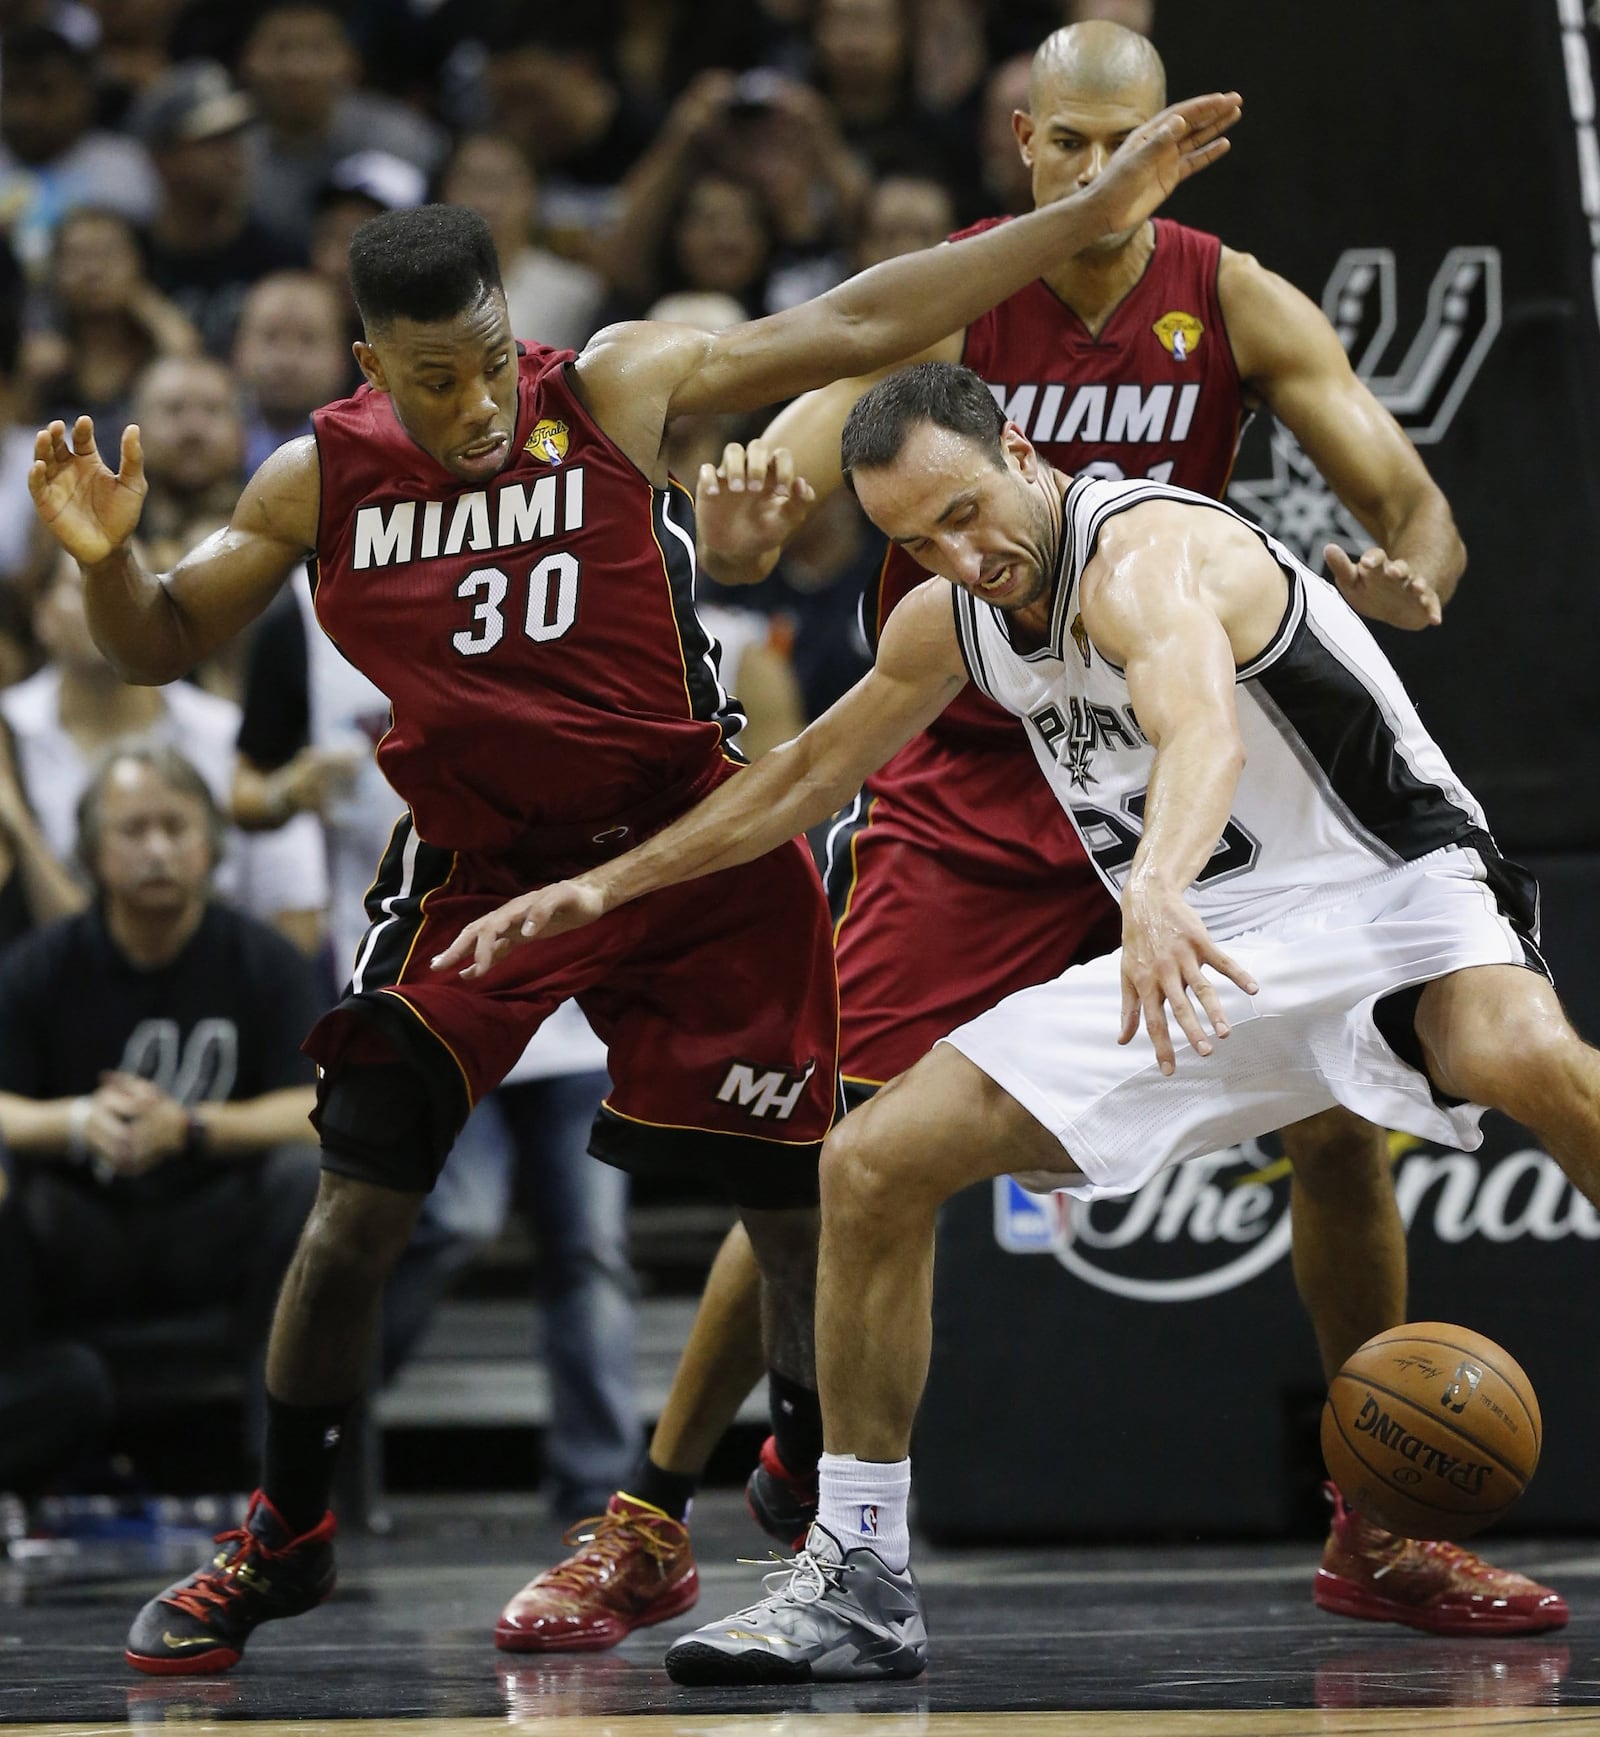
830,1616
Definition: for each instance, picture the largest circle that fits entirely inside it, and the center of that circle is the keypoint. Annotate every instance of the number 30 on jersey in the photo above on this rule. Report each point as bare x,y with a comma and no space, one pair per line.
552,604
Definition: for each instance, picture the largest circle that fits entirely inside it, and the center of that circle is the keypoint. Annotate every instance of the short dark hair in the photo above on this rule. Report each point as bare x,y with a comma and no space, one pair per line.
174,770
428,264
942,393
28,45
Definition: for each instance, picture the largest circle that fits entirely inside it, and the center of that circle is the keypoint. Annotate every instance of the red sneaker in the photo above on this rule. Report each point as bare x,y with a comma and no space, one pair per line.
635,1568
1425,1583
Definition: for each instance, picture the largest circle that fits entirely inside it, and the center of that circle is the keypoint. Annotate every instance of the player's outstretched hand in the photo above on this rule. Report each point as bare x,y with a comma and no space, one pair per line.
1157,156
750,503
552,910
1165,952
1384,590
91,511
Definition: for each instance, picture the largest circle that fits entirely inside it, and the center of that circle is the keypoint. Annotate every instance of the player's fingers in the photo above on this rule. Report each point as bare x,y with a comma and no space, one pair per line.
1176,991
782,473
708,484
1340,567
1155,1024
458,949
130,464
1206,995
1399,569
83,438
1372,560
1194,159
1214,956
1130,1011
731,469
804,492
757,457
60,446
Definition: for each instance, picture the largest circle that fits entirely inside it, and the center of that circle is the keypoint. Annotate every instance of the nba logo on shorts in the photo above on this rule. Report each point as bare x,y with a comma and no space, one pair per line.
869,1519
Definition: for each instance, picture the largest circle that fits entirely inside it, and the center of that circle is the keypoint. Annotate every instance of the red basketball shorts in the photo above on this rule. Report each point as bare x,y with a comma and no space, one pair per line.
953,885
716,1000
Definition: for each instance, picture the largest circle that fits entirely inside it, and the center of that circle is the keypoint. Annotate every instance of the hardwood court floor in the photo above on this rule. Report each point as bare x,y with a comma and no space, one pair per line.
1199,1641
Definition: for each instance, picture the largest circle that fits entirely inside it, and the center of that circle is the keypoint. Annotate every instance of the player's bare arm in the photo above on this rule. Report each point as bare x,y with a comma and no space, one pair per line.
1178,615
740,534
917,674
1291,359
633,377
156,627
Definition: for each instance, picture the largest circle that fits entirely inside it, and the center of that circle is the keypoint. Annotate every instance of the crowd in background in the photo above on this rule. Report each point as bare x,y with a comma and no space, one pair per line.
179,181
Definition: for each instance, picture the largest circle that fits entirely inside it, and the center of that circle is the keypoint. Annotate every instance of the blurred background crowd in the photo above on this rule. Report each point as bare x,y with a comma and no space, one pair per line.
179,180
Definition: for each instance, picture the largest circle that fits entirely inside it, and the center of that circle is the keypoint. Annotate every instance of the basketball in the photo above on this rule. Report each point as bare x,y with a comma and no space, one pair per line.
1431,1430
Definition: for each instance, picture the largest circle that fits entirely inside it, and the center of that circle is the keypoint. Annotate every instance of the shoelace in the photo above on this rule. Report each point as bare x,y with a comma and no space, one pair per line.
610,1536
1454,1558
213,1587
804,1578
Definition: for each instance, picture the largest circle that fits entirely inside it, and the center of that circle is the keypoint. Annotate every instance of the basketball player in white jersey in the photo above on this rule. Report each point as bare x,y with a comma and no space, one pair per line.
1308,895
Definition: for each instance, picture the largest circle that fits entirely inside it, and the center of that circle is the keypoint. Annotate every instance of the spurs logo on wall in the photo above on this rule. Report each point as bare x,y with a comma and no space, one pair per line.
1423,390
1216,1222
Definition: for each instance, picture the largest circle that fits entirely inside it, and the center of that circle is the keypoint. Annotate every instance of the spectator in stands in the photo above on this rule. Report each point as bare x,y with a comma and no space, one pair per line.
903,213
359,187
205,247
107,322
51,156
547,83
18,556
151,1080
191,420
64,717
551,299
290,357
301,67
35,884
133,52
779,137
1005,182
863,67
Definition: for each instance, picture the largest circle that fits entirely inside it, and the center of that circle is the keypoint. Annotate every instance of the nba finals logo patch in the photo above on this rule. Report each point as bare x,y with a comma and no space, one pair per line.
1080,638
869,1519
1179,334
549,439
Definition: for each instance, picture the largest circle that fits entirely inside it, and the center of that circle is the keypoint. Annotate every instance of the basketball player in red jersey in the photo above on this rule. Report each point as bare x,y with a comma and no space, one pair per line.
497,547
1139,357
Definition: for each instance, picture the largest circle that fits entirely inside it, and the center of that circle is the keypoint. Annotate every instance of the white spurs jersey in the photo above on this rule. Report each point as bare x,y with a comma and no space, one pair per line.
1341,781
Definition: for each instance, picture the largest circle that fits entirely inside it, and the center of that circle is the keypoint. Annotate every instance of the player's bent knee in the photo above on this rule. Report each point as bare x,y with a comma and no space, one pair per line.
356,1228
865,1176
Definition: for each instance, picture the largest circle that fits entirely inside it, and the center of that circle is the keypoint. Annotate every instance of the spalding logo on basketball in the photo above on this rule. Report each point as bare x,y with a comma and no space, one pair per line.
1431,1430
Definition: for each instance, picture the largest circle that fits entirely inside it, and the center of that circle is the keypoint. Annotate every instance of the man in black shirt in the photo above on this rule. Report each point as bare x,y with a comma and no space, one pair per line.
152,1088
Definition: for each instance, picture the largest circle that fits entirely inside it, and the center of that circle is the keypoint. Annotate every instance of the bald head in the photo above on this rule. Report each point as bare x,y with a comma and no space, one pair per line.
1096,59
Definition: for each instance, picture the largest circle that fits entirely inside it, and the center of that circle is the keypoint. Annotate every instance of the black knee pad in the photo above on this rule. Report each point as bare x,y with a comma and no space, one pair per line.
380,1122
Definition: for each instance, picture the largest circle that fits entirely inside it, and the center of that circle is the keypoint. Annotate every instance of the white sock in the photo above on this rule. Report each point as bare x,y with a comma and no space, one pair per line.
864,1502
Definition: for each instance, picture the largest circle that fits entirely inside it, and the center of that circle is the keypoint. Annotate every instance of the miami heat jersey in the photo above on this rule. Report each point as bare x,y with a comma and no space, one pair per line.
535,636
1155,394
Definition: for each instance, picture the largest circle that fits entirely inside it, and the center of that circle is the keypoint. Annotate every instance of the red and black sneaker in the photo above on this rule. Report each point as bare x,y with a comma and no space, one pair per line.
781,1504
200,1625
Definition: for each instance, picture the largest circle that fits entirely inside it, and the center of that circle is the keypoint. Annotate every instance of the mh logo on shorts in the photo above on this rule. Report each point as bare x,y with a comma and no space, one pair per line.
869,1520
774,1092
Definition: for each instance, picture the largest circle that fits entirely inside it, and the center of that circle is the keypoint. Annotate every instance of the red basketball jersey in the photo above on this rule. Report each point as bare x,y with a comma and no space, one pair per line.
535,636
1155,394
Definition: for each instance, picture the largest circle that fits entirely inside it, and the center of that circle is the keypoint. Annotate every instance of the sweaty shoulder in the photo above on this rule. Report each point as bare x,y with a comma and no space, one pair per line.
626,377
282,500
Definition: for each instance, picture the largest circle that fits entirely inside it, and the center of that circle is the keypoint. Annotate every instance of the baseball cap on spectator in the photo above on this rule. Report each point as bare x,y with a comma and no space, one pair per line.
388,182
191,101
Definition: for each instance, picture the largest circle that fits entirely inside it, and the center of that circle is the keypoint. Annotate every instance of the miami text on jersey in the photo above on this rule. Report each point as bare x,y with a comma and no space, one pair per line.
515,514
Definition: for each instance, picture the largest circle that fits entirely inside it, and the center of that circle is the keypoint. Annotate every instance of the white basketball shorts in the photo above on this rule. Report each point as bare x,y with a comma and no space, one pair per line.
1305,1042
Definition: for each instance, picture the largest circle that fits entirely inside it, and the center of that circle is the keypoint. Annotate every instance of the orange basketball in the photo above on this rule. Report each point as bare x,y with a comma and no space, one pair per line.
1431,1430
